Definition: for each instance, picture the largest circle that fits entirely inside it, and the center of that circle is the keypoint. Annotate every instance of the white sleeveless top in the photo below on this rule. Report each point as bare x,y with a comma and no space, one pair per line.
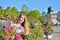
21,28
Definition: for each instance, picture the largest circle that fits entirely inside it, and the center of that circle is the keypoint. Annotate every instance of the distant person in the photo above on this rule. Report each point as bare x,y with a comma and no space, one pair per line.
21,25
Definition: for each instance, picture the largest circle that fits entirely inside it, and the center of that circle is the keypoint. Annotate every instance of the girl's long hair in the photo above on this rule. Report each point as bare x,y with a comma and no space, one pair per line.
25,25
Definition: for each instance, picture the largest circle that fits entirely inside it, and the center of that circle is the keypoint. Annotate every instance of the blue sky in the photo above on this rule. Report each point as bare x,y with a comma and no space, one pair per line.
40,5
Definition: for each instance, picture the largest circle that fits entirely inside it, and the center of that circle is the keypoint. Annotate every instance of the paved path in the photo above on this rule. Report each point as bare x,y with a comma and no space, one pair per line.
56,33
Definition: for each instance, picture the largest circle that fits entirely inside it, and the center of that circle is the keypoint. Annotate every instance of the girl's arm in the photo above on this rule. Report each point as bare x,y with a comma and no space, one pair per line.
26,27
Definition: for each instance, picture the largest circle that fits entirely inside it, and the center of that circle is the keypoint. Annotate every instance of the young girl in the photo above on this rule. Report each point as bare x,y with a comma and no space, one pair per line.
21,26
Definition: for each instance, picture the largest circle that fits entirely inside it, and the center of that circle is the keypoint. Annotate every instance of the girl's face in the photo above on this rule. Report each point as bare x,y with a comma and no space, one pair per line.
22,19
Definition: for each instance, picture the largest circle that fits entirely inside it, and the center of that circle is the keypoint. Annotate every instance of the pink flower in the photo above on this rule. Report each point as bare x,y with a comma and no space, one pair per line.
11,26
5,29
9,29
5,25
18,37
6,37
13,34
3,18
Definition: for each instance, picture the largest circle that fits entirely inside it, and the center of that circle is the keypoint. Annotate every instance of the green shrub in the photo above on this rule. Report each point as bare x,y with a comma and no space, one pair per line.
35,34
48,27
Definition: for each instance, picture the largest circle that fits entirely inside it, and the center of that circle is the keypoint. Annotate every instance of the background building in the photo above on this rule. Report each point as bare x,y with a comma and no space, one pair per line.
54,17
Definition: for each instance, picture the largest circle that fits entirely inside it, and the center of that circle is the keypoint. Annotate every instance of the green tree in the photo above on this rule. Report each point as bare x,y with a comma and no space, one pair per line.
34,13
1,12
25,9
44,14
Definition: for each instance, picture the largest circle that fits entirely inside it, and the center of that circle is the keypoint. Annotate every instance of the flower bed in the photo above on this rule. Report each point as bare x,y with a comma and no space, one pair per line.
47,27
9,33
